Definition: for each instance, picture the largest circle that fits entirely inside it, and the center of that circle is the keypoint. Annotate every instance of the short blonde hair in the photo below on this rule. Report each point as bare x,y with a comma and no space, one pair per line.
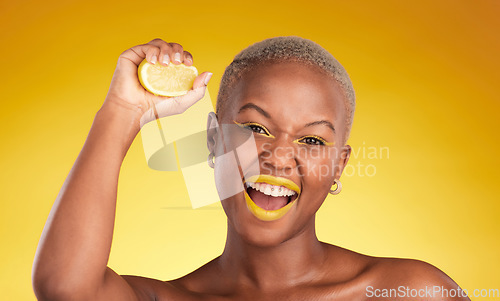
281,49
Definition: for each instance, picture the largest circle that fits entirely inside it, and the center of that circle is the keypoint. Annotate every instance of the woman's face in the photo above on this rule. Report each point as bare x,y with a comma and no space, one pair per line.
295,118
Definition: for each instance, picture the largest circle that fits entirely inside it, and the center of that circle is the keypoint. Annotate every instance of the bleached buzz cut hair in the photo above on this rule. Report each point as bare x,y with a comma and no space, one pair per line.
281,49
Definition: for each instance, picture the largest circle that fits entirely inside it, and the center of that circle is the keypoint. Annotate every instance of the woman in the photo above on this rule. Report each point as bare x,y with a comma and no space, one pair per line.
297,103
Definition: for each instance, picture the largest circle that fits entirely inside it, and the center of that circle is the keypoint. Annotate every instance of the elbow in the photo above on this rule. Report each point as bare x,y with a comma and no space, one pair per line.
48,288
44,292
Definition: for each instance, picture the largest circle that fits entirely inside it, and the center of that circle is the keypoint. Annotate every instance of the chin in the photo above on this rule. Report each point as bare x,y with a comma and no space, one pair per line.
254,231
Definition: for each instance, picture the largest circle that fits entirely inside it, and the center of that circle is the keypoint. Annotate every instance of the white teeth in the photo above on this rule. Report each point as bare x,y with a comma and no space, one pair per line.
266,189
271,190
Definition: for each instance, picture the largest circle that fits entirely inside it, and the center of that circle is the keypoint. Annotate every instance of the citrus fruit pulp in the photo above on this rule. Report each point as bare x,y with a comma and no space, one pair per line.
170,80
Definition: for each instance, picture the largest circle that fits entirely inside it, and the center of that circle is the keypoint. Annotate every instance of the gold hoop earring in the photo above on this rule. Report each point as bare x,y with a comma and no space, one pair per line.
211,160
338,189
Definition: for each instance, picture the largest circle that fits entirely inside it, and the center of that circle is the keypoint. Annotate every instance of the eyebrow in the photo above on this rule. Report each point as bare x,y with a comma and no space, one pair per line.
323,122
255,107
260,110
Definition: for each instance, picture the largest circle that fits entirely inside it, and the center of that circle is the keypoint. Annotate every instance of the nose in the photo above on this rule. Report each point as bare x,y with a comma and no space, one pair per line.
278,157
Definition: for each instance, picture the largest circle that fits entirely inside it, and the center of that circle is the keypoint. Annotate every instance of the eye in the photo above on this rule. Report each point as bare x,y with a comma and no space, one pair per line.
255,127
313,140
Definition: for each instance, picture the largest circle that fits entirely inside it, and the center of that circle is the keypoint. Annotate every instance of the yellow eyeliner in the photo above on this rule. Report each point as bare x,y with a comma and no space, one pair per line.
267,134
315,137
245,125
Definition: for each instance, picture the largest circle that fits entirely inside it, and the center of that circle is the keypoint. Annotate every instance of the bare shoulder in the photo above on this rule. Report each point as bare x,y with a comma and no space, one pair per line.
412,278
348,265
149,289
348,276
386,270
193,286
207,279
410,271
367,277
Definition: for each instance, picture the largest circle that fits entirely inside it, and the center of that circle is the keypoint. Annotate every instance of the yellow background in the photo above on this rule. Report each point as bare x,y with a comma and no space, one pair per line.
426,75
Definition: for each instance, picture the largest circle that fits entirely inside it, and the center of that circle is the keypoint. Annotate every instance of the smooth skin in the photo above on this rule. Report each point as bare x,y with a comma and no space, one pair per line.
276,260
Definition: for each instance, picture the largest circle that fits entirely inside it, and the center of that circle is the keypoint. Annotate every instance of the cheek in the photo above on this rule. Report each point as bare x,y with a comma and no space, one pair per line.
240,152
229,206
317,165
317,172
235,159
227,176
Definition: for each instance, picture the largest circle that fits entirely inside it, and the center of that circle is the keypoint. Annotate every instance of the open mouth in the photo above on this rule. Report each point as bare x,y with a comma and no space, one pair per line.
270,197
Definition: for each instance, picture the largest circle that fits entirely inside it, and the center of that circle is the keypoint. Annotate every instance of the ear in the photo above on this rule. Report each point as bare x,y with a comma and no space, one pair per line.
345,154
212,131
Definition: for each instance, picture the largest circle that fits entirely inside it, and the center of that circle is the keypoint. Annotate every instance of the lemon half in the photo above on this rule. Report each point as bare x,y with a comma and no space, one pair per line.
170,80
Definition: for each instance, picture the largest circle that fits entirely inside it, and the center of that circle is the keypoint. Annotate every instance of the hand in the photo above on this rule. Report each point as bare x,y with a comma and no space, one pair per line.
126,90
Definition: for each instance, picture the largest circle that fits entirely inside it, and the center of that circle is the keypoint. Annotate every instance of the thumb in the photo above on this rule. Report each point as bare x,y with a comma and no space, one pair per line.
202,80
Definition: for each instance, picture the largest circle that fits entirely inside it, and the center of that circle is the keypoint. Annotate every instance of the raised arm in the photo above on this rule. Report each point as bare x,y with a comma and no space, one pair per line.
71,259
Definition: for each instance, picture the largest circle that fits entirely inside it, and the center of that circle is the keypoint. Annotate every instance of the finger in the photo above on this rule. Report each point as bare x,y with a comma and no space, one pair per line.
202,80
188,59
182,103
168,106
138,53
178,53
199,82
178,105
166,51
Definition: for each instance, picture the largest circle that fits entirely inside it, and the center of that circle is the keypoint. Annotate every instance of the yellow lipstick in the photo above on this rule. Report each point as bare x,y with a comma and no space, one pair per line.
270,215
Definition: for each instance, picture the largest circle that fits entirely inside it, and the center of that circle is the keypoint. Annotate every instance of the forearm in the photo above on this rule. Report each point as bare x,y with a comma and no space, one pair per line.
75,244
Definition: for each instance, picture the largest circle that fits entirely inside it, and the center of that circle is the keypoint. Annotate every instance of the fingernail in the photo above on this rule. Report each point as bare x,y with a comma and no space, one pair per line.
153,60
166,59
177,57
207,78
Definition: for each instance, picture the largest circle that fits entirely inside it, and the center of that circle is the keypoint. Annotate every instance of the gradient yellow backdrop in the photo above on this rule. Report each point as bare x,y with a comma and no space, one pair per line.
426,74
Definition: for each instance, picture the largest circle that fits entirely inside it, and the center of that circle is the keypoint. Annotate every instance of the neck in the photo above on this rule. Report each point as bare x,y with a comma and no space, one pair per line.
291,262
